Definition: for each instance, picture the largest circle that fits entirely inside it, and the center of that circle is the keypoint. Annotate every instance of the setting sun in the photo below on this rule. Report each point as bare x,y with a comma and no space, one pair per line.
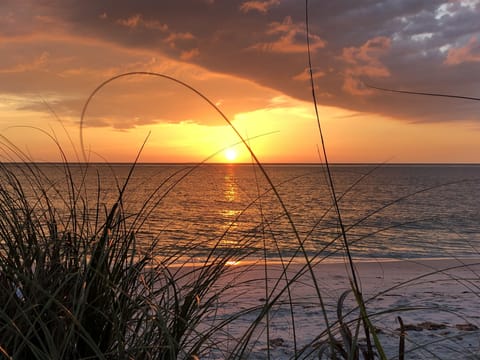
230,154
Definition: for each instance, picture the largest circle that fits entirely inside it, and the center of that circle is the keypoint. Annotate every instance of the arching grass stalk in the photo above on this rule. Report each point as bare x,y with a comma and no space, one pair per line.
244,142
216,108
368,327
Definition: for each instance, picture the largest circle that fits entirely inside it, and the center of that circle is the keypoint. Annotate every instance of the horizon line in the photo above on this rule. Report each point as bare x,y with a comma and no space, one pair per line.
191,163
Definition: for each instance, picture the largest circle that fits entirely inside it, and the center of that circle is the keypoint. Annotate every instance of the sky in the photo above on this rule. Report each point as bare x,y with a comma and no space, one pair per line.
249,59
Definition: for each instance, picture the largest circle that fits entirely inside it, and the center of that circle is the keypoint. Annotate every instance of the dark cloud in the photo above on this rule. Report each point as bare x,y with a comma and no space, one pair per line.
411,45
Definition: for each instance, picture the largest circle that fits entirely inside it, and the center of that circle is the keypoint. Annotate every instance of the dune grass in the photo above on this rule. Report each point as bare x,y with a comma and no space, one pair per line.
76,283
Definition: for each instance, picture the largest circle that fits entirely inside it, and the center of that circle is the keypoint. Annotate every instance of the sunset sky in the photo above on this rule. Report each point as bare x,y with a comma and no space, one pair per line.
250,59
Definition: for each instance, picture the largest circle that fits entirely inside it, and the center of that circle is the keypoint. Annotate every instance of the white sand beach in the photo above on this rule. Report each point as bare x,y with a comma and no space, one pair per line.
438,301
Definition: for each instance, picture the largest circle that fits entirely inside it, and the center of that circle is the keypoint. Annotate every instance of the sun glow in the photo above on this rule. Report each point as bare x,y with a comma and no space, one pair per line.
230,154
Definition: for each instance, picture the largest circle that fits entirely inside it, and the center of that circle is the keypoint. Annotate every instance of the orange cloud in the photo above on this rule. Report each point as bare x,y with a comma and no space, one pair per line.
468,53
39,62
305,75
364,61
136,21
174,37
260,6
188,55
290,40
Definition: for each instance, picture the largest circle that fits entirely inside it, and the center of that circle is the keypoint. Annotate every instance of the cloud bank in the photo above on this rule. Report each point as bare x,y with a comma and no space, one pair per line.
65,48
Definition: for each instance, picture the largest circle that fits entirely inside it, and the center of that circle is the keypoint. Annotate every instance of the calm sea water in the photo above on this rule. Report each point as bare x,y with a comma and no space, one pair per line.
388,211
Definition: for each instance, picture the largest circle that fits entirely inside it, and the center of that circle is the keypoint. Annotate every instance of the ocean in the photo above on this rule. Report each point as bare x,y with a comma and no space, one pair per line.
196,211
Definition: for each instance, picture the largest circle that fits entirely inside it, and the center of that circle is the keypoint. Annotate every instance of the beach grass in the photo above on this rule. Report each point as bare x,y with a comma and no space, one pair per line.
76,283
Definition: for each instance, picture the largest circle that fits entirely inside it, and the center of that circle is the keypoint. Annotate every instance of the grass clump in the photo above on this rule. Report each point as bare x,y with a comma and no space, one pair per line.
73,284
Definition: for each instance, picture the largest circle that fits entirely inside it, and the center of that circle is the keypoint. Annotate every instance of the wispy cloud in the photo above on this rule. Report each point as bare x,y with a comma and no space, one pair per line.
137,21
289,38
37,63
260,6
188,55
364,61
468,53
305,74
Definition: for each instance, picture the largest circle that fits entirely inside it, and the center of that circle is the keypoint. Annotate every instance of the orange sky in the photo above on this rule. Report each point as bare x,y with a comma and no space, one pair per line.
249,58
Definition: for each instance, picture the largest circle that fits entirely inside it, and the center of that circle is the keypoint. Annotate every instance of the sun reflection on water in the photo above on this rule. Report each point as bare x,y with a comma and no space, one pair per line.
230,211
230,186
232,262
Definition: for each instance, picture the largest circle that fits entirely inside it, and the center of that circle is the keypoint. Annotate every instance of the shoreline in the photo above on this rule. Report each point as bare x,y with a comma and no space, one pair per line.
329,261
436,299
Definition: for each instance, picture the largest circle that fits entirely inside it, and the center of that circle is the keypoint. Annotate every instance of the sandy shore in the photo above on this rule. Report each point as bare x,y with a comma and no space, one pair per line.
438,301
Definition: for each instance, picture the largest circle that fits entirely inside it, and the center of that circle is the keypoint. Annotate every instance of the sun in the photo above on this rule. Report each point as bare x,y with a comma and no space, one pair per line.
230,154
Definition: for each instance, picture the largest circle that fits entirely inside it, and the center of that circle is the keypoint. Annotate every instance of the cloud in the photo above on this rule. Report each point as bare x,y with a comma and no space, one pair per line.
305,74
136,21
364,61
290,38
37,63
69,68
468,53
188,55
393,44
174,39
131,22
260,6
